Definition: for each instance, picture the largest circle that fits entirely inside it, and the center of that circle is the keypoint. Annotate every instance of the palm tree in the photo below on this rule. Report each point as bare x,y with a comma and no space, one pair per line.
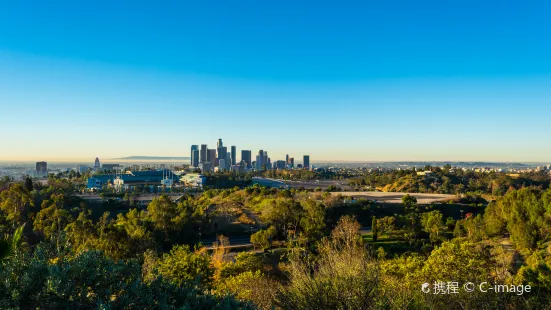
9,245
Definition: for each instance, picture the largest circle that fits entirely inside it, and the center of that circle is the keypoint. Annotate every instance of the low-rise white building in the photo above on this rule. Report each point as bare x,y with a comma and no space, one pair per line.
193,180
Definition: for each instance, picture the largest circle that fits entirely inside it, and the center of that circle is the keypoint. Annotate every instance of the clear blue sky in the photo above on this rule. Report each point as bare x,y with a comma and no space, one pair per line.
363,80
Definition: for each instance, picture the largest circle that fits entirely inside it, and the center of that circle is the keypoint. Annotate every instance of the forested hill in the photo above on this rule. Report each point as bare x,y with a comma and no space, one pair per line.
300,250
450,181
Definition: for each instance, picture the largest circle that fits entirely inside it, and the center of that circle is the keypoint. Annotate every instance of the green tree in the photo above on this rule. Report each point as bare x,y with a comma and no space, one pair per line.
313,221
135,225
432,224
162,211
536,272
458,261
182,265
410,203
342,277
459,230
52,217
284,214
263,238
244,261
374,228
28,185
50,280
450,223
16,203
81,233
252,286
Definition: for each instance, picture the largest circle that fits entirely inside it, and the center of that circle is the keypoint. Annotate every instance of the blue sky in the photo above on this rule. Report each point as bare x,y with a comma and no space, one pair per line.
364,80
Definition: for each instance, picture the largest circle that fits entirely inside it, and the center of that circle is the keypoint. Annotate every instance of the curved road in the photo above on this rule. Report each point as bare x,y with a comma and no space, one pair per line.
396,197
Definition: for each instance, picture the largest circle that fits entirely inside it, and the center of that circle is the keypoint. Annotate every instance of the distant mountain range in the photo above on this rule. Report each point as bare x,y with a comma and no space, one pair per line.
153,158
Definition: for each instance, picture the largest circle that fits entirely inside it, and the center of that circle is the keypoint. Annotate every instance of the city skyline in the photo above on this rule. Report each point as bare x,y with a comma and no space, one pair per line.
220,159
368,82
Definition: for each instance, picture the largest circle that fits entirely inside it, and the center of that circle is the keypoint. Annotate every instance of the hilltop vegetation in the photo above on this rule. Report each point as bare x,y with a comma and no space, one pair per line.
315,250
450,181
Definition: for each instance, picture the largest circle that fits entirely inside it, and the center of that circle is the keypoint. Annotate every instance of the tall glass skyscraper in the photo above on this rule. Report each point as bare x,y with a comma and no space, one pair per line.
203,156
192,157
233,154
262,160
211,157
246,157
222,153
195,158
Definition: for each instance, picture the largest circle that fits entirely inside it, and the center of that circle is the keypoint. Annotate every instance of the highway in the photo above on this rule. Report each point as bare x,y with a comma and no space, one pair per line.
386,197
396,197
323,184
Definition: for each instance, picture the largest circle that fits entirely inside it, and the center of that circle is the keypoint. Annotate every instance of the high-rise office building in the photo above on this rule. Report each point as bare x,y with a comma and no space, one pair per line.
195,158
306,162
228,161
193,148
246,158
291,163
222,151
81,169
205,167
221,164
204,150
219,144
280,164
287,159
211,158
41,167
233,154
96,164
258,163
262,160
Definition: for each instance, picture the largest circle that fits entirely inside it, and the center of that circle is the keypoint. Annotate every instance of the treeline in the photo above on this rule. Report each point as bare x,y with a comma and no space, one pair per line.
450,181
51,211
317,255
228,180
298,174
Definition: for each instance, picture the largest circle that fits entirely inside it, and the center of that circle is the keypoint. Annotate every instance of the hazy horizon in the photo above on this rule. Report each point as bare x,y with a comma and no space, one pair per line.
297,160
360,82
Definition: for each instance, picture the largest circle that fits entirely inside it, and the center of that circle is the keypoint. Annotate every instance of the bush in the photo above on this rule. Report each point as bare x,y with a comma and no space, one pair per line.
92,281
263,238
245,219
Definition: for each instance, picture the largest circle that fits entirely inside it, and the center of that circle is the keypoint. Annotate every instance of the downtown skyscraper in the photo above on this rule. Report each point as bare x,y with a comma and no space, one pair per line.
211,157
246,158
262,162
204,150
224,158
222,155
233,155
194,156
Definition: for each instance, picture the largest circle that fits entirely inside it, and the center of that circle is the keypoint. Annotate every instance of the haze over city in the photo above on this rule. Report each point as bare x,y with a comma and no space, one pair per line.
375,82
